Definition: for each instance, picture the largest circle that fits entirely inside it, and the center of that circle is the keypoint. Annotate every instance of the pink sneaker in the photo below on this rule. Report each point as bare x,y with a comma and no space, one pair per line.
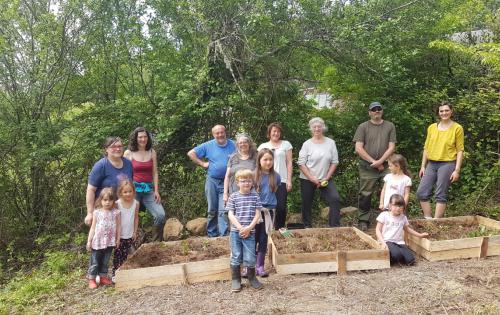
92,284
105,281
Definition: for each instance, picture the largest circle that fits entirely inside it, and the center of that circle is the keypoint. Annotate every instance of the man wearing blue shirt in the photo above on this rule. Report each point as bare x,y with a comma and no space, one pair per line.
213,156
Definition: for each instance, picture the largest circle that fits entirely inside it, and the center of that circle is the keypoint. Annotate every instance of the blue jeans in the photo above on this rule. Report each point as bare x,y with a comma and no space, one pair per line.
242,250
99,261
217,224
155,209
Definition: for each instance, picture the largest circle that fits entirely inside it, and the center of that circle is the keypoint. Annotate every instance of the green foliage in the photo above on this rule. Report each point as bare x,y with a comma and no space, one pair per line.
482,231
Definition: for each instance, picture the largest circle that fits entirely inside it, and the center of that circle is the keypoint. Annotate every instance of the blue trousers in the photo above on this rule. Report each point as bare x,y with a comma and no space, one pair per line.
99,261
217,224
155,209
242,250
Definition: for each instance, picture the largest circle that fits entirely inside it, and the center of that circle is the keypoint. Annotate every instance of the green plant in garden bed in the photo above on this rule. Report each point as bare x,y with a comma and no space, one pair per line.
483,231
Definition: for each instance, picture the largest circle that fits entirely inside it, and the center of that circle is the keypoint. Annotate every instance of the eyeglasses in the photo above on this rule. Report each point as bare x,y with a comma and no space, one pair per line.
376,109
246,181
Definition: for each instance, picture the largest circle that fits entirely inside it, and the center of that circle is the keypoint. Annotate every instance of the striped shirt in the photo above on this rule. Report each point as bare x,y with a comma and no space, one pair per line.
244,207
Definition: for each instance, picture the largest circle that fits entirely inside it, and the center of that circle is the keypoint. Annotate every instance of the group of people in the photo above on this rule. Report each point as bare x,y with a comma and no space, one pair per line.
118,185
246,187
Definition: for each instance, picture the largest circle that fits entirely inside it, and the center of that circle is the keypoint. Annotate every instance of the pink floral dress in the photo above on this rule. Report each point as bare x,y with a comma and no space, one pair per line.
105,229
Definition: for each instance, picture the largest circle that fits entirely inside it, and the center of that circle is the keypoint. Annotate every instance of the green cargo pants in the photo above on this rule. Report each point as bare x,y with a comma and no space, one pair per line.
370,180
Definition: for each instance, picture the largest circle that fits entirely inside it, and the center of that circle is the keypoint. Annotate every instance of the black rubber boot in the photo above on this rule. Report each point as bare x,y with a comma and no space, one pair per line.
254,283
236,279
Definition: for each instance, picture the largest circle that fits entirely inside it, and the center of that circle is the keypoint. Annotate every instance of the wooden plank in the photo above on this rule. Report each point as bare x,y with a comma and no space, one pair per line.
368,264
151,276
461,243
208,270
341,263
288,269
422,242
483,252
494,245
270,246
184,274
367,254
192,272
417,248
488,222
306,258
331,266
367,238
454,254
275,253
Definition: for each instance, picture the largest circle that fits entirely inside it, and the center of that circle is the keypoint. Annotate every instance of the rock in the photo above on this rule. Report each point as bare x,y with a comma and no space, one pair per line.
343,211
197,227
348,210
295,218
172,229
324,213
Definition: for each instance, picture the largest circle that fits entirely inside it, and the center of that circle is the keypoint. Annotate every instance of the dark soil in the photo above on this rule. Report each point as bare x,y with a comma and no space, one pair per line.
319,240
166,253
439,231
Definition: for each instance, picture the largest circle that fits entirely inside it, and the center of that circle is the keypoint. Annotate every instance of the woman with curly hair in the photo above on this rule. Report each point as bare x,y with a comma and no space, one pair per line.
145,165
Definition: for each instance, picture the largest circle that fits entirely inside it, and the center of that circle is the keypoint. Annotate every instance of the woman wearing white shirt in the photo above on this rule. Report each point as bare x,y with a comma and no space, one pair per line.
282,151
318,160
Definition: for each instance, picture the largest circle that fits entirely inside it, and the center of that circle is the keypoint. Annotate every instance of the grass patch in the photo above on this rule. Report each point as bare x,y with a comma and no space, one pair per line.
25,292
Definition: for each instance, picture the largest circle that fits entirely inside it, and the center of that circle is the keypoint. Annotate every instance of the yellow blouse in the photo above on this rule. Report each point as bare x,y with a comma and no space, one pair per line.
443,145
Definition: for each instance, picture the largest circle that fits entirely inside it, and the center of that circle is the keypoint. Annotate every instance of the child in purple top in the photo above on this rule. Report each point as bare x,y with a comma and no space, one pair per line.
243,209
390,227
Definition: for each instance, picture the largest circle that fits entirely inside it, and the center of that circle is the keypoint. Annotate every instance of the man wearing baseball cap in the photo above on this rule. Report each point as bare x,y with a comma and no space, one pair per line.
375,141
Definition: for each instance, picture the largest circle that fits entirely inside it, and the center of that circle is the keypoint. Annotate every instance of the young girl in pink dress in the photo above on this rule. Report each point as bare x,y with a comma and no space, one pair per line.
104,235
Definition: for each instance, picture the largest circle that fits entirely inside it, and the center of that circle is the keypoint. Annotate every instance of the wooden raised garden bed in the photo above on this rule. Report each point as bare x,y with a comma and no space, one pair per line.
180,262
456,237
326,250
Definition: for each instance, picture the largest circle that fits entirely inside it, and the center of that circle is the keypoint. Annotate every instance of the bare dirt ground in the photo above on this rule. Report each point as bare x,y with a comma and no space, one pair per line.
468,286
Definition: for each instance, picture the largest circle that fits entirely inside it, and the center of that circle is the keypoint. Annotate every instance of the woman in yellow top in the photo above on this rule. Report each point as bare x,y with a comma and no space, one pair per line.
441,160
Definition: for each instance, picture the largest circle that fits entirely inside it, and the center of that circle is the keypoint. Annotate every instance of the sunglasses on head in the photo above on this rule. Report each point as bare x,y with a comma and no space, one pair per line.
376,109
